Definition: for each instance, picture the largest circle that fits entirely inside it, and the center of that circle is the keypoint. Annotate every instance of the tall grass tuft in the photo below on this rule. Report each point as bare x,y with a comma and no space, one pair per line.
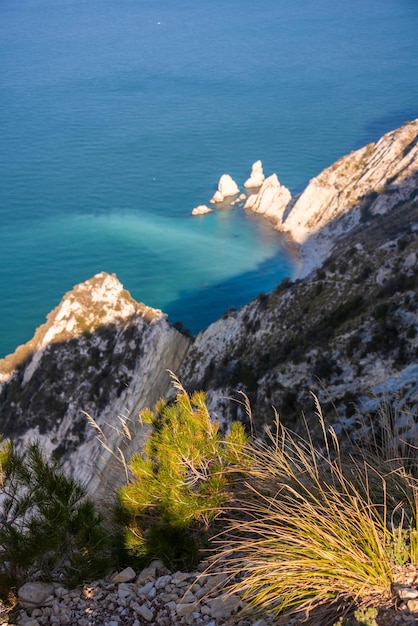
317,531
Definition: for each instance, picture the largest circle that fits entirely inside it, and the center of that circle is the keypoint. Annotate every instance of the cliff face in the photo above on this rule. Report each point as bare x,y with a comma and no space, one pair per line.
346,331
99,353
374,180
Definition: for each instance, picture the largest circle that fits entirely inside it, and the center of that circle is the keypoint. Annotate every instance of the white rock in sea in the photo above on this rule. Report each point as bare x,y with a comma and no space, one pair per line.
226,187
257,177
202,209
271,200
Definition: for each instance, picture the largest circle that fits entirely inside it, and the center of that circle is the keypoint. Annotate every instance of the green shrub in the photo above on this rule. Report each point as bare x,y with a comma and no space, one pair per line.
179,482
47,525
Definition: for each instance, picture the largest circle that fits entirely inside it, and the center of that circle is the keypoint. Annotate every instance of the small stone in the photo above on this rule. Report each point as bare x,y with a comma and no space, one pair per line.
147,574
407,593
188,598
125,576
412,605
35,594
145,589
125,590
145,612
152,593
60,592
185,610
180,577
162,582
223,606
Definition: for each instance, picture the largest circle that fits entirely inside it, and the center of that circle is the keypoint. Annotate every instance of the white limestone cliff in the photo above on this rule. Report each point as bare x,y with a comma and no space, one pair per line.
257,177
375,178
100,353
271,201
227,187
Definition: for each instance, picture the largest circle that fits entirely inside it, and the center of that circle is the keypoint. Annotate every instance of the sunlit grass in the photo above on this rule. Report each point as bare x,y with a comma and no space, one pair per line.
317,531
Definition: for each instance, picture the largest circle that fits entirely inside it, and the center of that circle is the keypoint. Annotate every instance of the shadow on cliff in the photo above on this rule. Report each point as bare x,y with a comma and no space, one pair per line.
84,373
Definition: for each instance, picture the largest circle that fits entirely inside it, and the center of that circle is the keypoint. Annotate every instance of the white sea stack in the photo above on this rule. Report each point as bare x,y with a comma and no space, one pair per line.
202,209
226,187
271,200
257,177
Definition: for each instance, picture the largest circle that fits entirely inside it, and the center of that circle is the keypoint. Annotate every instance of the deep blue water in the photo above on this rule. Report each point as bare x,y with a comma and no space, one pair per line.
117,118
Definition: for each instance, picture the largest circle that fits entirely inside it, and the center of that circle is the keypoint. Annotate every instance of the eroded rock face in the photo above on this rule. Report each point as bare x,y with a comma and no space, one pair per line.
227,187
369,181
100,353
386,169
271,201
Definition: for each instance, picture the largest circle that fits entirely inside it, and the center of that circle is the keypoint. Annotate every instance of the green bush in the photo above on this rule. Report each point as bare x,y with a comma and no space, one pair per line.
180,482
47,525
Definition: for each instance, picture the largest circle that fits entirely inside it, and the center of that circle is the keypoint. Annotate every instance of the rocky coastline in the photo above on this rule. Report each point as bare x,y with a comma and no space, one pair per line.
101,357
346,329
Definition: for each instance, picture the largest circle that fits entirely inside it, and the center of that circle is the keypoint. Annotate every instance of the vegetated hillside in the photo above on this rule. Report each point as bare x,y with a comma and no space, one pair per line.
348,332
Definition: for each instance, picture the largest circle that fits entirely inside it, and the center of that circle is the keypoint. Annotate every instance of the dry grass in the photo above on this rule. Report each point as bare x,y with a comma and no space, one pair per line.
316,531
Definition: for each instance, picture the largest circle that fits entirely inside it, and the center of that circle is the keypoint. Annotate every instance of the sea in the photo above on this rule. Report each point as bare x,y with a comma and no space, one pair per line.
117,118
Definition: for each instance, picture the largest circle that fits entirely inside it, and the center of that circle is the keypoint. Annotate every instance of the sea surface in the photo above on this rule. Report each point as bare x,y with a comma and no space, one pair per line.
118,117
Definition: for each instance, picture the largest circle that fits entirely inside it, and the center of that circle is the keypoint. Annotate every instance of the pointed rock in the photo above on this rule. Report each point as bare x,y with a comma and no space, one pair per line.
257,177
271,200
226,187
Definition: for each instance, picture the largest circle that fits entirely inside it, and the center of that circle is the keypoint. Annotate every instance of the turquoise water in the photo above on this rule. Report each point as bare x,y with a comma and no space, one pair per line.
117,118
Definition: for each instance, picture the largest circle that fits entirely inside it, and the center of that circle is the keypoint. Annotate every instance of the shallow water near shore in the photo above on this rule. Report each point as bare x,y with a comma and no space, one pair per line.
117,119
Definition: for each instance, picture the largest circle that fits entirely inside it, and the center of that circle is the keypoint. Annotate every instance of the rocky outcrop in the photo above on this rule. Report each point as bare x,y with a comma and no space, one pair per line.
202,209
257,177
378,177
271,201
227,187
100,354
348,333
369,181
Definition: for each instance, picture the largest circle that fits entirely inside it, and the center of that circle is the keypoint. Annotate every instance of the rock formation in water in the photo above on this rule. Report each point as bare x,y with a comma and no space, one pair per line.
347,331
227,187
257,177
202,209
271,201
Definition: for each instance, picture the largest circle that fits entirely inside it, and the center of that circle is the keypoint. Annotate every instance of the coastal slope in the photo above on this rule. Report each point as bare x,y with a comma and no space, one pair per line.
346,329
